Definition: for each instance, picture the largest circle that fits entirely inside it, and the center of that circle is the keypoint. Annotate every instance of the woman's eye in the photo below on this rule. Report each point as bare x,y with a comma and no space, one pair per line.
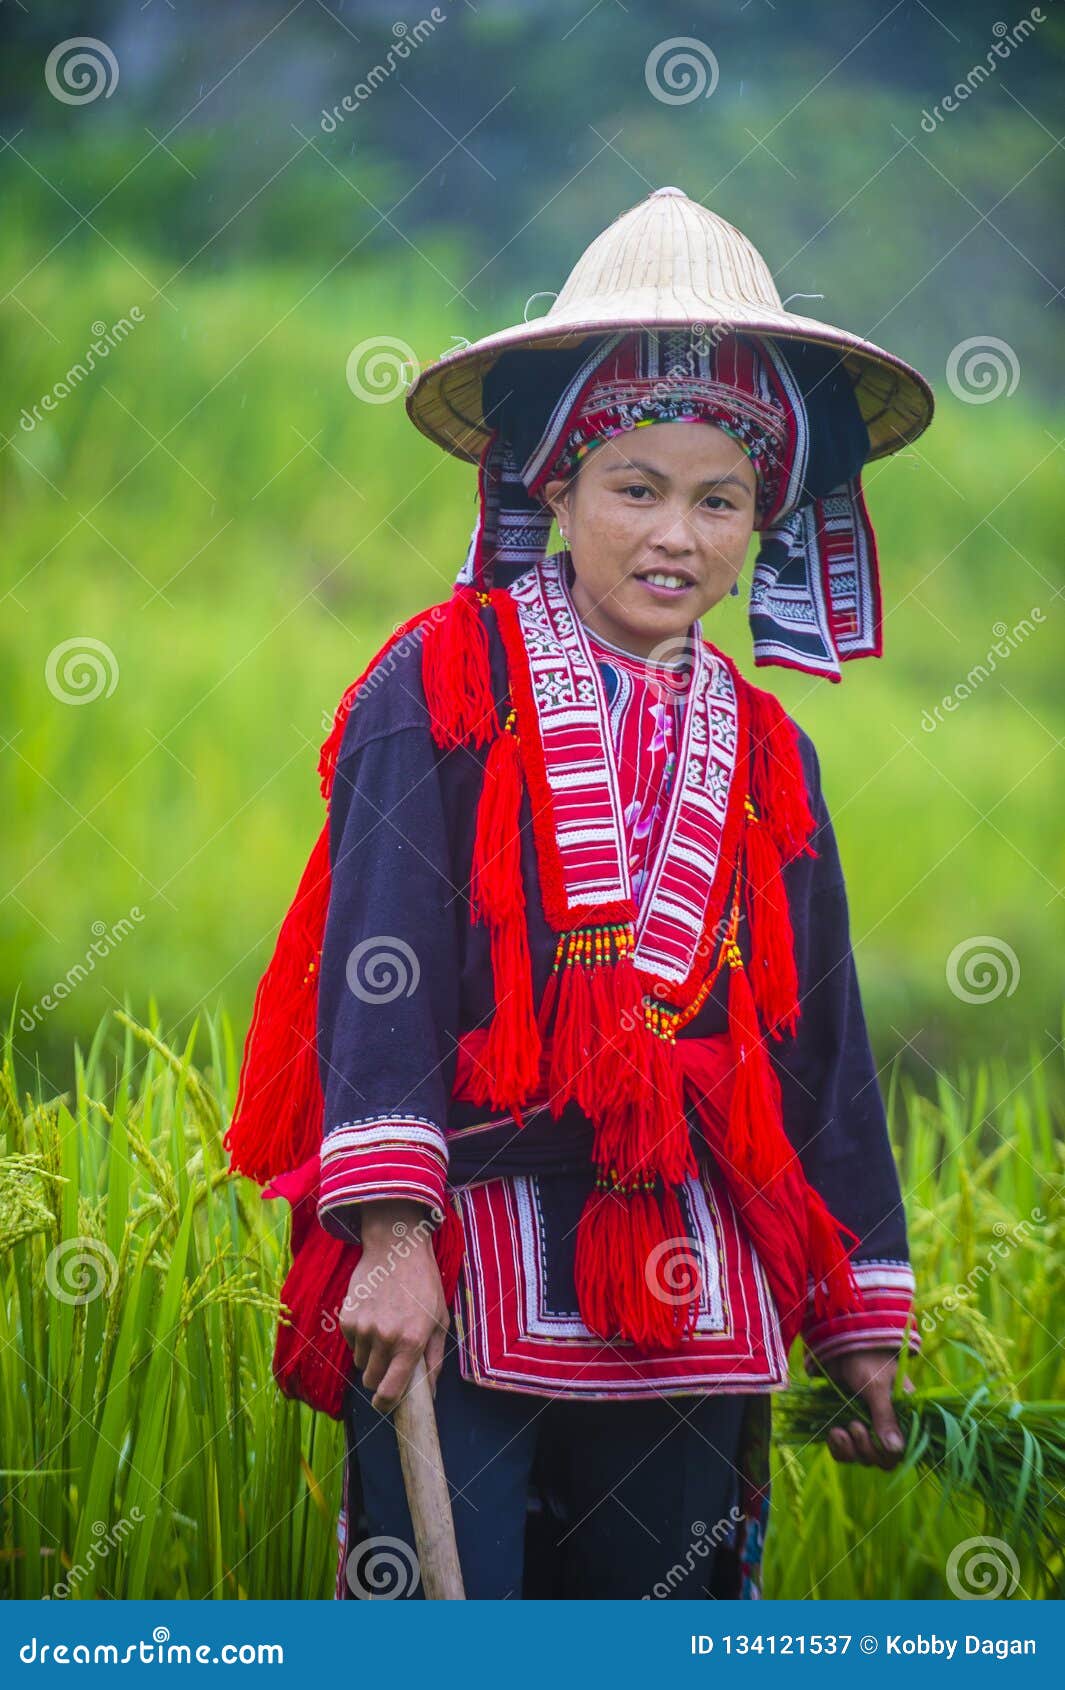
636,489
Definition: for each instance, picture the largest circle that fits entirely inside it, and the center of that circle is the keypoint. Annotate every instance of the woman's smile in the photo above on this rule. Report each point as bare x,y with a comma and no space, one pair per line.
665,584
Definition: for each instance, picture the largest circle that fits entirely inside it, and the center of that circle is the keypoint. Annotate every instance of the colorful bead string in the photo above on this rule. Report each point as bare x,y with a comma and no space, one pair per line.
624,1188
666,1021
596,945
593,946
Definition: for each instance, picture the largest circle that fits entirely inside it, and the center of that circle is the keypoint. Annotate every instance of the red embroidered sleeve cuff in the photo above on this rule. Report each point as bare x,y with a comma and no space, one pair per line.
887,1289
384,1156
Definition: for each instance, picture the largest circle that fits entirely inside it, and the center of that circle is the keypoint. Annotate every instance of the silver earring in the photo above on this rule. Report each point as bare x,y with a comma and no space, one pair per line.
734,590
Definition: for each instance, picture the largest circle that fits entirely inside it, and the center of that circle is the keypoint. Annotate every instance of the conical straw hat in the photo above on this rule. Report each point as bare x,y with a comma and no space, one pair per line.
667,262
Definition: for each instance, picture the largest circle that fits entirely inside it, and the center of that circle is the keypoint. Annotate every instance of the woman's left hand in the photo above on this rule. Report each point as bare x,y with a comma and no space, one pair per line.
869,1374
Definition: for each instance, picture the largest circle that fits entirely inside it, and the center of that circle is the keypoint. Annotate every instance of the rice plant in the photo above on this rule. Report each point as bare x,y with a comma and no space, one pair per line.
1006,1458
982,1169
145,1450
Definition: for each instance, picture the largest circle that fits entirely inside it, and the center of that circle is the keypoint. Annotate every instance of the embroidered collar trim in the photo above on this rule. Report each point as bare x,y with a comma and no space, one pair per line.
566,700
672,674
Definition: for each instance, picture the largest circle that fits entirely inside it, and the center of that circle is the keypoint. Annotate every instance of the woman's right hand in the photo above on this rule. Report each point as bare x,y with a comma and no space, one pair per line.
394,1309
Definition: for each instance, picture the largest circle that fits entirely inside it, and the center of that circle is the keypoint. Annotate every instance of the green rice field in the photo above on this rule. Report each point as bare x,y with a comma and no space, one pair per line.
148,1453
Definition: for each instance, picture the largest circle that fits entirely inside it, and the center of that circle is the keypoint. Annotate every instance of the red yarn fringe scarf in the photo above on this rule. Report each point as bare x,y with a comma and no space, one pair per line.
276,1130
598,1038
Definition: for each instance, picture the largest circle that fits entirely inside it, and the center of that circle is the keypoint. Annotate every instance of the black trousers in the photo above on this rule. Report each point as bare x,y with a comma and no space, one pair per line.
551,1496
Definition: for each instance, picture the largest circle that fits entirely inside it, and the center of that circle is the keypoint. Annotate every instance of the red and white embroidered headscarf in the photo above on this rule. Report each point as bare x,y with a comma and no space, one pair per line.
815,593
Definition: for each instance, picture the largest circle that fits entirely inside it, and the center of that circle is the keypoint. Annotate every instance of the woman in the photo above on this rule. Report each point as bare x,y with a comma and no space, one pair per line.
561,1058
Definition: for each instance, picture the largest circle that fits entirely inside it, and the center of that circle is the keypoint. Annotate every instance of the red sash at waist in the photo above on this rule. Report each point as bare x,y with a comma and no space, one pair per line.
790,1227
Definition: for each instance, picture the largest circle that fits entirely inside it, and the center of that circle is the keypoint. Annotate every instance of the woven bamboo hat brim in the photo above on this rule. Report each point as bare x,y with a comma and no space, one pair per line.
669,262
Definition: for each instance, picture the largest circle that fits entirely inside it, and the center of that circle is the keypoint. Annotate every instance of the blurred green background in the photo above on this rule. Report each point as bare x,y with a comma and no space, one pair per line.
226,532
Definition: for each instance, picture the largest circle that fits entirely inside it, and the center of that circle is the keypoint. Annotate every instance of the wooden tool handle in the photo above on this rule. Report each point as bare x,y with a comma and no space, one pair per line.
427,1493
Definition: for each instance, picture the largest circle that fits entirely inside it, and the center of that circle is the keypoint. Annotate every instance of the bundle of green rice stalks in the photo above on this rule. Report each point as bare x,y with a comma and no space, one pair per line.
1004,1455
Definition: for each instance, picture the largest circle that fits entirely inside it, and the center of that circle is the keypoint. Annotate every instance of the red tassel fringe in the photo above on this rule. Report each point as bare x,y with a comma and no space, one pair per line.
330,751
773,976
276,1126
511,1056
456,673
558,912
836,1290
602,1055
778,785
790,1225
757,1143
631,1248
277,1120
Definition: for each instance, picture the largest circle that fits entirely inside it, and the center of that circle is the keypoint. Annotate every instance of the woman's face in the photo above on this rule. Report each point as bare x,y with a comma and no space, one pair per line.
674,500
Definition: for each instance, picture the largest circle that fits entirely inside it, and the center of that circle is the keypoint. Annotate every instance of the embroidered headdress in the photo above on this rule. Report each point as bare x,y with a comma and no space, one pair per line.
815,597
669,263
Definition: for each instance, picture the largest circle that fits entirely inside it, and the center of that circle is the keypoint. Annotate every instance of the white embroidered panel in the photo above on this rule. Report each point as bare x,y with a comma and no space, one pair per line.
579,757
